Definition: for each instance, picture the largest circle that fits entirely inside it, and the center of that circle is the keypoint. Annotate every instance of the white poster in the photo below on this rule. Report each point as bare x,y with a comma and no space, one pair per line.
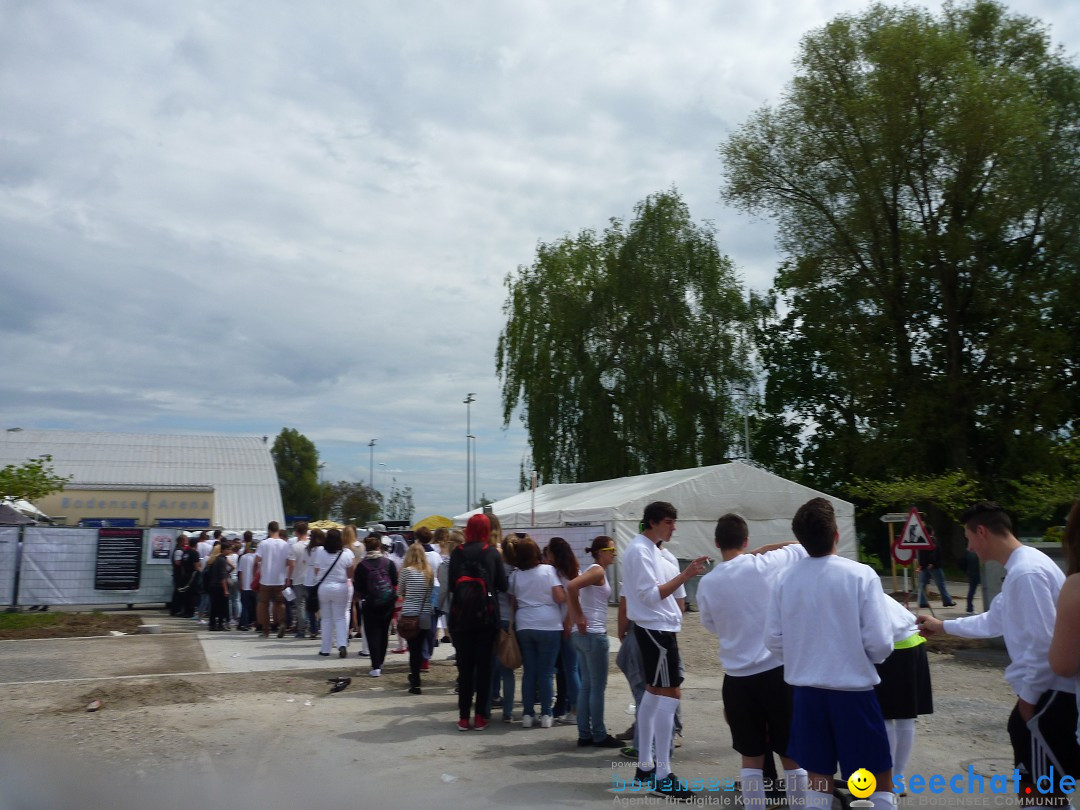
159,546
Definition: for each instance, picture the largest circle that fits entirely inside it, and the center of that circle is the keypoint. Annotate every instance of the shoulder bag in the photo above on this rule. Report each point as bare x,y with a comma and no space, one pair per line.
506,646
313,593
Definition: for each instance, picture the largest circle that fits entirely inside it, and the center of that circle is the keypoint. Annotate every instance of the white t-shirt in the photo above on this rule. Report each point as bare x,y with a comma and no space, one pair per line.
298,554
247,568
339,573
204,548
733,600
272,552
309,566
232,558
536,608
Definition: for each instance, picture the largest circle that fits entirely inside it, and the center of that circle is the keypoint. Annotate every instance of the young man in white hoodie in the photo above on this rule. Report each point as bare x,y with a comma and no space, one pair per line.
827,622
733,600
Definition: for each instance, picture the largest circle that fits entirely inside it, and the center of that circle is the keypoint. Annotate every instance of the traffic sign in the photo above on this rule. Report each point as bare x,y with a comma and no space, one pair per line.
903,556
914,535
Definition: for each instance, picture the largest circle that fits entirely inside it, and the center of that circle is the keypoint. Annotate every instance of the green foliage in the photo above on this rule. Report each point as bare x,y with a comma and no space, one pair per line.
399,506
349,502
951,492
31,480
924,174
1041,497
297,463
624,348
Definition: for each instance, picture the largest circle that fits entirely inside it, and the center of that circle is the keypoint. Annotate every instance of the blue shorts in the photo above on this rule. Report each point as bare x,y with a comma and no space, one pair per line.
829,725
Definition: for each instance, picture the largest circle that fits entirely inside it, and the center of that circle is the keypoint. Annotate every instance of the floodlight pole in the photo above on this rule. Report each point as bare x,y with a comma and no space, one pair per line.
371,465
470,398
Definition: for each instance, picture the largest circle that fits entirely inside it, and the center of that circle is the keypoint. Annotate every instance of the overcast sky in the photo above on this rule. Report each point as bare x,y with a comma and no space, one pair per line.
236,217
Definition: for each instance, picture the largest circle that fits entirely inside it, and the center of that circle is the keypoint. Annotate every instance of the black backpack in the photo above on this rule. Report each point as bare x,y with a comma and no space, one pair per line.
380,588
473,606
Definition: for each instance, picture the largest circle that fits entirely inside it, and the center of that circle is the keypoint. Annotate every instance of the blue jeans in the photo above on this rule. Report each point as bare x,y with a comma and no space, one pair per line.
592,658
567,679
939,580
539,649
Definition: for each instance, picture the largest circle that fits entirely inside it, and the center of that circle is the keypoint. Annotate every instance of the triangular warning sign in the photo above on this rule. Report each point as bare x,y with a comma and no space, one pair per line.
914,535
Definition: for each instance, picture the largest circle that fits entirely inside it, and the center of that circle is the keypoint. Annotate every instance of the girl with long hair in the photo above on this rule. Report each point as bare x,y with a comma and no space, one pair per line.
417,582
567,679
334,568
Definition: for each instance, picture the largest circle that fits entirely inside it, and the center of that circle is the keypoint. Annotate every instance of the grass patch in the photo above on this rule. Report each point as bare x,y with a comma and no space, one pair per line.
24,621
65,625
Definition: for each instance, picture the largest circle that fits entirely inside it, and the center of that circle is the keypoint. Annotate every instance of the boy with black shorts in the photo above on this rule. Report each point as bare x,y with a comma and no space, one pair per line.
733,600
827,623
651,605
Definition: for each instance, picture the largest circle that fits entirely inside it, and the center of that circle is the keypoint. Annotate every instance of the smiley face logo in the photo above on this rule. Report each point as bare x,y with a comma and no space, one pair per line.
861,783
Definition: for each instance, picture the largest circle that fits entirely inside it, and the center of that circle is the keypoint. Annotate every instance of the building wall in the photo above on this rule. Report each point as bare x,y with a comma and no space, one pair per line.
146,506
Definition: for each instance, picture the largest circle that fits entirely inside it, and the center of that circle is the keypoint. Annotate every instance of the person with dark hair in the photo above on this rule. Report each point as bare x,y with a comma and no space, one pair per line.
537,595
334,569
316,538
588,596
245,577
827,623
176,606
476,575
375,584
1064,653
1042,726
651,606
930,566
733,600
295,578
216,581
567,679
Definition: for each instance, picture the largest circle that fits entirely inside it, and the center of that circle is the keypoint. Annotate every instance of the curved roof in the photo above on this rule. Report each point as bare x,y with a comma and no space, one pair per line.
239,468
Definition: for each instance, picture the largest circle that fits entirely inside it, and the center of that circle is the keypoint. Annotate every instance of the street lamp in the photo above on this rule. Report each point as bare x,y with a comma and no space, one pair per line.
470,398
381,465
371,464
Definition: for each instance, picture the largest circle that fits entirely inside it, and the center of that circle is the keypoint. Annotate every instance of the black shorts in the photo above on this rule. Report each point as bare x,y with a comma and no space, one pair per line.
1048,740
660,655
758,709
904,691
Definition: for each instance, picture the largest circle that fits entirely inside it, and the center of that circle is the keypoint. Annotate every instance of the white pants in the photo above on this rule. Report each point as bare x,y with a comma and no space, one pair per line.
334,609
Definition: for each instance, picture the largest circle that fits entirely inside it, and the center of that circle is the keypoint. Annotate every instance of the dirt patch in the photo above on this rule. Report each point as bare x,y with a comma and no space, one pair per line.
72,625
127,695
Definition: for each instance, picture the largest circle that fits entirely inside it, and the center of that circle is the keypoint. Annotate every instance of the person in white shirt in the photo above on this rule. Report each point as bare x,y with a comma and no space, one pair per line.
734,600
828,625
245,578
1042,726
334,568
651,606
271,566
297,566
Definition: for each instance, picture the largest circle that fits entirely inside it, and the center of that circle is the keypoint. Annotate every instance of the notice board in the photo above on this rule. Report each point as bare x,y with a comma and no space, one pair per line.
118,564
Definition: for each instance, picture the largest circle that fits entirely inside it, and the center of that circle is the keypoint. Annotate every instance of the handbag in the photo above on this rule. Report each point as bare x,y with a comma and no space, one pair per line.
408,627
506,646
313,593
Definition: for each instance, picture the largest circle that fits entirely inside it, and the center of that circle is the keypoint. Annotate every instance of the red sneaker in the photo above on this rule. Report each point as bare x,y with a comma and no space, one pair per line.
479,723
425,666
463,724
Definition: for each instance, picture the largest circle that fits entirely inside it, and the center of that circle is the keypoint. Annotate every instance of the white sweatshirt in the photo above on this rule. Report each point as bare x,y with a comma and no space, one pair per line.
1024,613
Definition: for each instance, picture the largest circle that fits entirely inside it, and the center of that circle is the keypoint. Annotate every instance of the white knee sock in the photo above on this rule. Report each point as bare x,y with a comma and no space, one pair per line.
818,801
753,788
901,742
883,800
795,787
664,732
646,730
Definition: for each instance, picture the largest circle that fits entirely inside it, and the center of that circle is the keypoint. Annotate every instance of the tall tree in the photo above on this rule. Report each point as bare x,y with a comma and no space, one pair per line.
624,348
349,502
399,506
297,463
31,480
924,173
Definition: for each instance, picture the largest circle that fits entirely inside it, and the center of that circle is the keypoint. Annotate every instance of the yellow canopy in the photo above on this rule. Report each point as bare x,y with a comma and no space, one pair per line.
434,522
325,524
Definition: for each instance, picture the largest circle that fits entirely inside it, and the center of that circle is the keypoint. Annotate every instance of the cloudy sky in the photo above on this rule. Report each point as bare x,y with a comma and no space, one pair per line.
236,217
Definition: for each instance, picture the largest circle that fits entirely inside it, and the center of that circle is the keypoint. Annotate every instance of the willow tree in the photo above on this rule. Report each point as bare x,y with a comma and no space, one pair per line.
924,174
623,348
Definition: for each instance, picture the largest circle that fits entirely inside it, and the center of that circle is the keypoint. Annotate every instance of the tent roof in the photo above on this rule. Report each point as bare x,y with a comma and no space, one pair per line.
701,493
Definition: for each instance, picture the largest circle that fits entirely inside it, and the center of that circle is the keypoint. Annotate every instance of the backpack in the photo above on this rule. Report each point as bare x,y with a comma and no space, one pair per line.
473,607
379,587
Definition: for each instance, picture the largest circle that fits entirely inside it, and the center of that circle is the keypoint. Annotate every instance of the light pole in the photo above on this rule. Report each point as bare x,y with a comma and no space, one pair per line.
470,398
371,464
381,465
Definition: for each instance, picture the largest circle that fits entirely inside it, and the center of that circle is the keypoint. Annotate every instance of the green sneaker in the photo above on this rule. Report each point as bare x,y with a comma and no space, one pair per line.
629,752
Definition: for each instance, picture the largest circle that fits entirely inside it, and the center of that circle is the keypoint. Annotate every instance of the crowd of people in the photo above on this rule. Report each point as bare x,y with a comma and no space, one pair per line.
821,667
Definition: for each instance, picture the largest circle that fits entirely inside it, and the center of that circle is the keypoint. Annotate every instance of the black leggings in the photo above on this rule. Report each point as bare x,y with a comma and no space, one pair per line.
474,659
377,631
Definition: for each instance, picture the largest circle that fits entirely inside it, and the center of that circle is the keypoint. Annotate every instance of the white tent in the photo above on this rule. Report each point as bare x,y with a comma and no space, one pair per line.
701,495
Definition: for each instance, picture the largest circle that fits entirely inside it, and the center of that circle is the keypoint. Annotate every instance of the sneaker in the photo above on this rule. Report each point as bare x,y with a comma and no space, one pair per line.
568,719
630,752
508,717
445,639
669,788
363,654
281,632
626,735
584,742
527,720
375,673
545,721
645,777
342,652
414,690
395,652
608,742
480,723
425,666
950,604
463,724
